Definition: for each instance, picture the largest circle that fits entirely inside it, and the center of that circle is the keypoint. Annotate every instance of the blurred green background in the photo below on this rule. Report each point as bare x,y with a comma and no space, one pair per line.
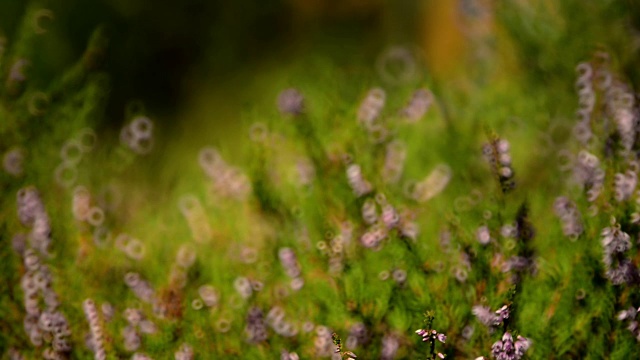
164,53
178,57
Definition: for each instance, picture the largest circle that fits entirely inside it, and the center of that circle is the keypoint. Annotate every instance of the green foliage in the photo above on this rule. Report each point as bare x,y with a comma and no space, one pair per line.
275,224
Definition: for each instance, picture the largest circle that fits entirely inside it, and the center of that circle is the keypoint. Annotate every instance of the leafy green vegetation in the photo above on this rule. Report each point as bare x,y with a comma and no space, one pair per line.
499,198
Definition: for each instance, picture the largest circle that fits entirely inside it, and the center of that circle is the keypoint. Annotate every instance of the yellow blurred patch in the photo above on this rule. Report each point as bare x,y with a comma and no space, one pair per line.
441,37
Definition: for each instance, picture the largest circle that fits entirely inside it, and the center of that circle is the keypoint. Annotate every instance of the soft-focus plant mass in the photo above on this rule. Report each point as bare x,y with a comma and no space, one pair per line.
473,196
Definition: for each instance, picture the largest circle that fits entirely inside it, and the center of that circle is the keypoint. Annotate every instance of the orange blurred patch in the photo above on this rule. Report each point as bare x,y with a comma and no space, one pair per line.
553,305
84,247
441,37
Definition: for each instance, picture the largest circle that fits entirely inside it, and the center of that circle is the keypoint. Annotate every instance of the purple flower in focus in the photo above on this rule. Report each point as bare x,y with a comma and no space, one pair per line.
507,349
431,336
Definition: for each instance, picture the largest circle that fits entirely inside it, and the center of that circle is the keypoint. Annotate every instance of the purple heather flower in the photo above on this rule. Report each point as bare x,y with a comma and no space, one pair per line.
569,215
625,185
17,70
507,342
418,105
522,344
625,272
517,263
630,313
496,348
615,240
390,347
486,316
285,355
371,106
483,235
431,335
506,349
291,102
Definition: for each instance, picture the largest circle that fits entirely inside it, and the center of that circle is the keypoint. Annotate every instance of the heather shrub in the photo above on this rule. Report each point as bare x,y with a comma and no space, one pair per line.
370,207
